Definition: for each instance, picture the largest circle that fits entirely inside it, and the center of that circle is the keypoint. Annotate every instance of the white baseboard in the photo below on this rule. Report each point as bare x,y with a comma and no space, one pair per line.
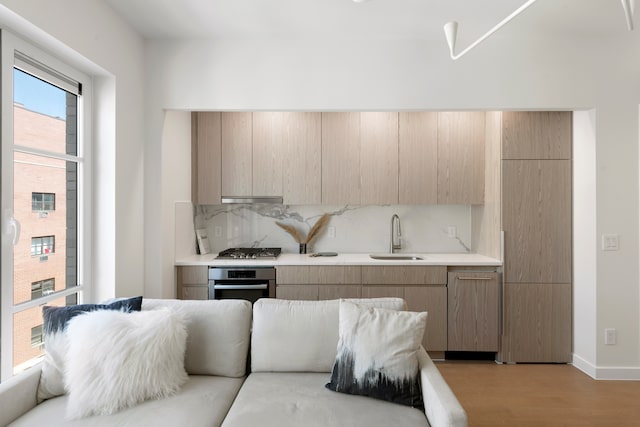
606,372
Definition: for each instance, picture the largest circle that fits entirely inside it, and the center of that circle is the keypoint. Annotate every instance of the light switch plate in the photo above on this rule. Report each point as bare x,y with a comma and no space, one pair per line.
610,242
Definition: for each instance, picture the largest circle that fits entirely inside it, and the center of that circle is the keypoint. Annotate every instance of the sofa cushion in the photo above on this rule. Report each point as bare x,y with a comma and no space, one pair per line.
202,401
300,336
55,321
118,360
218,334
282,399
378,354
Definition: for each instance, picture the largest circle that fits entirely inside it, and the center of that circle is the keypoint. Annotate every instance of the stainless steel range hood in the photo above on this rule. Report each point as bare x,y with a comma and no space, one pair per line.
250,200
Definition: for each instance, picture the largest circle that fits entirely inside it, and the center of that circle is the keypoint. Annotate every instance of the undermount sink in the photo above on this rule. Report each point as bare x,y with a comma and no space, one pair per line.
395,257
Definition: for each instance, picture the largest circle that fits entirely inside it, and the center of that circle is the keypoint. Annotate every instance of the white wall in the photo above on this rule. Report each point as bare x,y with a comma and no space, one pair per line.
90,36
600,74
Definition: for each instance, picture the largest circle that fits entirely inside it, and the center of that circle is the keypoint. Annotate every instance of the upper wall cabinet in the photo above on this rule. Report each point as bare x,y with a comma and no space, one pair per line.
369,158
268,151
302,158
237,146
341,158
206,158
378,158
287,156
461,157
418,158
536,135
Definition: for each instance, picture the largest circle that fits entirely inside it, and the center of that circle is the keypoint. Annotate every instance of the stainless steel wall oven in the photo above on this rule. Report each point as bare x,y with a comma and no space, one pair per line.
249,283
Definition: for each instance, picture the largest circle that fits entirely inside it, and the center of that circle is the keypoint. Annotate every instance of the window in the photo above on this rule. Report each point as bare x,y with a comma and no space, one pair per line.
43,245
45,167
36,336
43,202
43,288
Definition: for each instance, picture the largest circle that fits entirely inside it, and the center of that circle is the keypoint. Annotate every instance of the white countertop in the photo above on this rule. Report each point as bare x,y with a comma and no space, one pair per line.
451,259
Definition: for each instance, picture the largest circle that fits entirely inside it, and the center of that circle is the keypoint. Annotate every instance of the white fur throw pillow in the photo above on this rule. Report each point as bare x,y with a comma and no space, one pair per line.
117,360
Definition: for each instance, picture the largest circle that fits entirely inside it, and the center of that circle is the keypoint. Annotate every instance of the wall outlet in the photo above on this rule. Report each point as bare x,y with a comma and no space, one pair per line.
452,231
610,336
610,242
217,231
331,232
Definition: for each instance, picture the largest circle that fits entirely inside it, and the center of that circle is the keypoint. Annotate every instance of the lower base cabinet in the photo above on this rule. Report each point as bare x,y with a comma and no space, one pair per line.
423,288
537,318
192,282
473,311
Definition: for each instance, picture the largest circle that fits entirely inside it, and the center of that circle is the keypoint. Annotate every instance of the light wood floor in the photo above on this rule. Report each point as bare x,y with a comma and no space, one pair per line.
540,395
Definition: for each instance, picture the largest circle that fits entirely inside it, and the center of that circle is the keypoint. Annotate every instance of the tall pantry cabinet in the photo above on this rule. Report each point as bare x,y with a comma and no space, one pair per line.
536,220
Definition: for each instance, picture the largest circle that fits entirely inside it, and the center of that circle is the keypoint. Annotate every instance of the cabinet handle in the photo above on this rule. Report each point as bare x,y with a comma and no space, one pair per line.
473,278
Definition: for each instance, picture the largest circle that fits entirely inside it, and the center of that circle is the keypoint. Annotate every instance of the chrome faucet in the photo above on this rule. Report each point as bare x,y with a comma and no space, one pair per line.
396,234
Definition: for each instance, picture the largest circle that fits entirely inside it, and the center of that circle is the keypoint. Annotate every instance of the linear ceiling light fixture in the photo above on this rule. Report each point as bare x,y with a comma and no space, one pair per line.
629,6
451,31
451,28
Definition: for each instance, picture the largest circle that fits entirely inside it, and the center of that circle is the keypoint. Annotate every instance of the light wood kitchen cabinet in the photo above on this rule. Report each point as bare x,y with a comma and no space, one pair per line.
418,158
316,274
536,219
318,282
297,292
341,158
192,282
404,275
287,156
537,322
473,311
422,287
268,153
461,157
237,147
206,158
536,135
302,157
378,158
537,222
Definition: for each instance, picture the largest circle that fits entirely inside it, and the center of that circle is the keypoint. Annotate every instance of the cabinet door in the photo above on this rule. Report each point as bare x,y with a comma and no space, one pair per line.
297,292
537,323
208,164
536,134
378,158
341,158
404,275
418,158
268,154
326,292
302,158
473,311
195,292
236,154
536,219
382,291
433,300
192,282
461,158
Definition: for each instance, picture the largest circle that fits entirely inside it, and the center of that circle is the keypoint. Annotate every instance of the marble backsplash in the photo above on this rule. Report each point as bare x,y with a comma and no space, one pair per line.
363,229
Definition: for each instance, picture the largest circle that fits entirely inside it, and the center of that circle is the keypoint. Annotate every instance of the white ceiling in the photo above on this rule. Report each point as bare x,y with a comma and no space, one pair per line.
373,19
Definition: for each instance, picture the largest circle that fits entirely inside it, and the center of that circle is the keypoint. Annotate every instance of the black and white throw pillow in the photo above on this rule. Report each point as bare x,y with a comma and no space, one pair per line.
377,354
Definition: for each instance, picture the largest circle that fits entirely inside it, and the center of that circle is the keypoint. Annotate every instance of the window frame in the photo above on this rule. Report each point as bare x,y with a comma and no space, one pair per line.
42,202
9,45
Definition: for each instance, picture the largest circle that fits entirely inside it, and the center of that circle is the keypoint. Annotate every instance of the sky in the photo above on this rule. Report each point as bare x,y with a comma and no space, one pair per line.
37,95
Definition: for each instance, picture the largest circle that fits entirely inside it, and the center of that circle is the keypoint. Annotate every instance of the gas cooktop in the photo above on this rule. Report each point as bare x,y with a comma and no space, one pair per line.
250,253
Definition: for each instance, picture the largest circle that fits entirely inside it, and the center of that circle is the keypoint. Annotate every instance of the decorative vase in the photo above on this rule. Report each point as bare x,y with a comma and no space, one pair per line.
303,248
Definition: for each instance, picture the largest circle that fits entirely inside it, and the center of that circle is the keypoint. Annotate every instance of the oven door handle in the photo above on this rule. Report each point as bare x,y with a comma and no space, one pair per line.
240,287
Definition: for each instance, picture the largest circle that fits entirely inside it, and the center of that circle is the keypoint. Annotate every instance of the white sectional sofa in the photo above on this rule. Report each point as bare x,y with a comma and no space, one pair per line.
292,348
